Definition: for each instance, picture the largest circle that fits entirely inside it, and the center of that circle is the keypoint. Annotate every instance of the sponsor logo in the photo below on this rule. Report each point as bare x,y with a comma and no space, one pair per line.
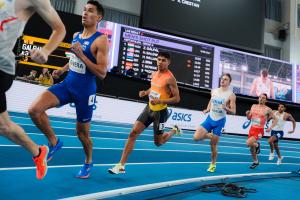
178,116
85,44
246,124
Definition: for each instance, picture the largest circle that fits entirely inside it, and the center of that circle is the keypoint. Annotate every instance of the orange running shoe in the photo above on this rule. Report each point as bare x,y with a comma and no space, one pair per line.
41,162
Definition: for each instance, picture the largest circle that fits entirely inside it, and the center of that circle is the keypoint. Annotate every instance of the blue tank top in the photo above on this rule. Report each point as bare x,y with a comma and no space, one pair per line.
79,76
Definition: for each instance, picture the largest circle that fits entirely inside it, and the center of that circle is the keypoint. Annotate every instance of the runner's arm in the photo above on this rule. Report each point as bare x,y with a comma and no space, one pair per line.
48,13
174,91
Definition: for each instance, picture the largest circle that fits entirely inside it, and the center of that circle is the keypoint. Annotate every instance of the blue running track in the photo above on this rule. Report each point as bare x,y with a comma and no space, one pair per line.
180,158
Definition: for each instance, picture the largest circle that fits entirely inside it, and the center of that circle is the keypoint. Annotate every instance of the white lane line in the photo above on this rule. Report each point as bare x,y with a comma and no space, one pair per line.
170,142
150,130
153,186
136,164
163,150
151,135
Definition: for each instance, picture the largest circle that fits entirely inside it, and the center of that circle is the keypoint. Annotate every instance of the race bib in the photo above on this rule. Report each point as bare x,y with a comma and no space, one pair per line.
154,95
217,105
161,126
218,109
76,65
92,99
255,121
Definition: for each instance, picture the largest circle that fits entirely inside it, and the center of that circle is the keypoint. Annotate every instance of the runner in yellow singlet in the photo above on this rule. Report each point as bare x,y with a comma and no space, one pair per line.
163,91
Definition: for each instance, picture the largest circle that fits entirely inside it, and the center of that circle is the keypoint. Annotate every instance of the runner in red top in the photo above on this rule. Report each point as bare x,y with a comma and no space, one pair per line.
258,115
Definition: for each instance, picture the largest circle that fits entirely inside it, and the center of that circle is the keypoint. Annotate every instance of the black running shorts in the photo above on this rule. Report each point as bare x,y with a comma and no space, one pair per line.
157,117
6,81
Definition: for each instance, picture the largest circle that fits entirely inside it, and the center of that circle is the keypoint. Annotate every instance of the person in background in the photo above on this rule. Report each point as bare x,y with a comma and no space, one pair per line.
222,102
277,132
32,75
258,114
45,77
263,85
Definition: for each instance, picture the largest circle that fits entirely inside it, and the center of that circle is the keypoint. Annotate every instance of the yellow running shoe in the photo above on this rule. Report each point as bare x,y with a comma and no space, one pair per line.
212,168
177,130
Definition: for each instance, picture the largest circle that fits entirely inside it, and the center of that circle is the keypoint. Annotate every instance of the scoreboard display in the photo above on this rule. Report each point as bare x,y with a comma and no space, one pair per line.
191,62
56,59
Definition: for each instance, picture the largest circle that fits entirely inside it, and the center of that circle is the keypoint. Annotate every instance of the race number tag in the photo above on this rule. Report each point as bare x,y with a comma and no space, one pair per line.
76,64
92,99
255,121
161,126
154,95
218,109
217,105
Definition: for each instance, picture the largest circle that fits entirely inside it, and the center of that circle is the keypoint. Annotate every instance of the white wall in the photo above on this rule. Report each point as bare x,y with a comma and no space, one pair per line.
271,33
291,46
294,33
121,111
286,19
127,6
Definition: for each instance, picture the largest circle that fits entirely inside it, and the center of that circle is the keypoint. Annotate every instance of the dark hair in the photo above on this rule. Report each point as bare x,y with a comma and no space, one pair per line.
99,7
264,70
281,104
265,95
164,54
228,75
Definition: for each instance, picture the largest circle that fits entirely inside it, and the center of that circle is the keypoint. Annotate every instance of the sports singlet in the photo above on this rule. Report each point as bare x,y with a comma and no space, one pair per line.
280,123
219,99
10,29
159,89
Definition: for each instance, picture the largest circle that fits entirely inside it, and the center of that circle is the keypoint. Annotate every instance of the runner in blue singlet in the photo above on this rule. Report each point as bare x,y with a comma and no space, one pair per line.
88,60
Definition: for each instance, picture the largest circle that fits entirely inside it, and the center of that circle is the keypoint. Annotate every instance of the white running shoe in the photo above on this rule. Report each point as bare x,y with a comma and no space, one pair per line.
117,169
271,156
279,160
177,130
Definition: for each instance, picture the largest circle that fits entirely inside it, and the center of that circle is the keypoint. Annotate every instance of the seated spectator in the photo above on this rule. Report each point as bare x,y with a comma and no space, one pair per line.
32,75
46,78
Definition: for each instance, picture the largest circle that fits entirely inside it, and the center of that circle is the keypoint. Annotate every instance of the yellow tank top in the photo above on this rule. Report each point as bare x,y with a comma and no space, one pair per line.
159,89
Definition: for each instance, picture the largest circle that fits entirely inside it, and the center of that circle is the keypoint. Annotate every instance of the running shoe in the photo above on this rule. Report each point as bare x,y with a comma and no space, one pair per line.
279,160
117,169
212,168
85,170
271,156
254,165
177,130
53,149
41,162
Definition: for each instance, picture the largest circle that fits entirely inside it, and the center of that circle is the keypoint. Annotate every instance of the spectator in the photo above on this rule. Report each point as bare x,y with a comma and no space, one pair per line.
263,85
32,75
46,78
